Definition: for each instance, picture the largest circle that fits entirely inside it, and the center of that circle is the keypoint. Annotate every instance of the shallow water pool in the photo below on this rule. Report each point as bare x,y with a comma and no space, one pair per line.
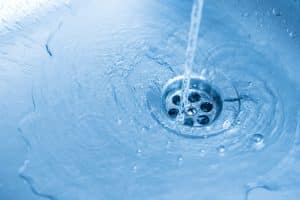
82,112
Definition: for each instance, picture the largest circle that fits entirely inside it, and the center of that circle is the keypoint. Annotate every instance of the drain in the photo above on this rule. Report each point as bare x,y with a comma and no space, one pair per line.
204,102
213,105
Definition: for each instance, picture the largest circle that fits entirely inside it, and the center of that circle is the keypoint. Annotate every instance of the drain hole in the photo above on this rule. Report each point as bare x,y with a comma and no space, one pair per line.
176,100
194,97
206,107
203,120
188,122
173,112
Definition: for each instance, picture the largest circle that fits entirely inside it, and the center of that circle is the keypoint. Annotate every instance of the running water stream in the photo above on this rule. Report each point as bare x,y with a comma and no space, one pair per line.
191,46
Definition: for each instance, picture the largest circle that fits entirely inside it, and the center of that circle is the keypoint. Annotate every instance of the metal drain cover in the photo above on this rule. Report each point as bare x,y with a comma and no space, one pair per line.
212,105
203,105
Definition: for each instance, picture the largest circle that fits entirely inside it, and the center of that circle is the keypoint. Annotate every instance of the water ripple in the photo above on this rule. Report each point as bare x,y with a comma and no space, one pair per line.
97,122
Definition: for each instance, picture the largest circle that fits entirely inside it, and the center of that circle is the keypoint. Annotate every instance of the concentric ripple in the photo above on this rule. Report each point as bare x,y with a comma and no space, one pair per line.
122,141
243,76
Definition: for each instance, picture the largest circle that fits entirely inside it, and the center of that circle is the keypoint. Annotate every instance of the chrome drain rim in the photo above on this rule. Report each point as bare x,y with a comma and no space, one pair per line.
204,102
226,114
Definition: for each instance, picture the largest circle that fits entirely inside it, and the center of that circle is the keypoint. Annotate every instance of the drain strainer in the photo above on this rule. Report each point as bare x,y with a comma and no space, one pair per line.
202,106
212,106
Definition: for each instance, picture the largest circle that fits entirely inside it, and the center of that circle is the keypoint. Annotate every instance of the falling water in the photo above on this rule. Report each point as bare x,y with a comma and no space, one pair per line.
192,45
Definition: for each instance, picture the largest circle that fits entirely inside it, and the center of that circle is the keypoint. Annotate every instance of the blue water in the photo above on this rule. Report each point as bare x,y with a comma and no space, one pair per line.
80,86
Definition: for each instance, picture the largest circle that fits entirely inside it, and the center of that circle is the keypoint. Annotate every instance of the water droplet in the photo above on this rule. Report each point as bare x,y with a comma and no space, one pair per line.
276,12
168,145
292,34
221,149
258,140
180,159
245,14
134,168
202,152
139,152
119,121
226,124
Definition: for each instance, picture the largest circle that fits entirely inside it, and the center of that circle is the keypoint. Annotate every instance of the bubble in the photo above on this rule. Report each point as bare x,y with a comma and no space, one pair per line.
258,141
